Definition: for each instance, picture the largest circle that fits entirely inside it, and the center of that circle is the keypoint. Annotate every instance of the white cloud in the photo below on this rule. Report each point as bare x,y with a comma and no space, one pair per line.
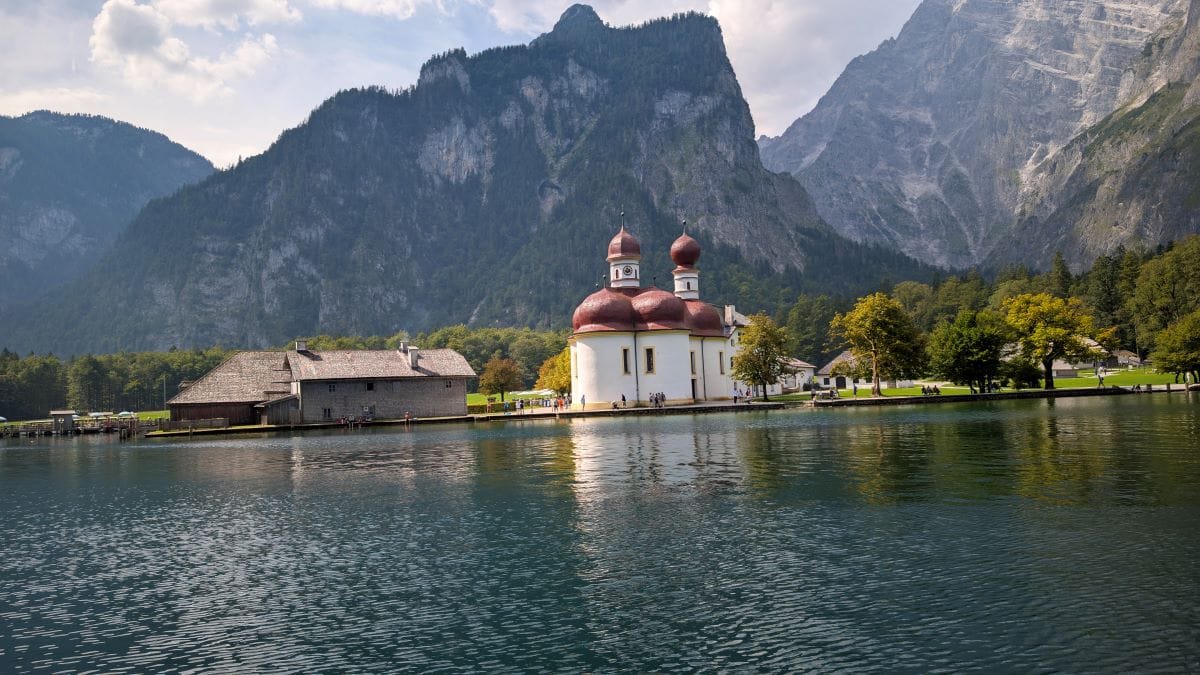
138,40
227,14
540,15
396,9
61,99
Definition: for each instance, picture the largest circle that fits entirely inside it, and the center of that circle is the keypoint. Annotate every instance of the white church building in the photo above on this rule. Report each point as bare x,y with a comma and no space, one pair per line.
629,343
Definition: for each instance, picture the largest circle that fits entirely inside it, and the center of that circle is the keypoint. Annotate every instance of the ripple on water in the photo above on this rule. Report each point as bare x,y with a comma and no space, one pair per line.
1005,537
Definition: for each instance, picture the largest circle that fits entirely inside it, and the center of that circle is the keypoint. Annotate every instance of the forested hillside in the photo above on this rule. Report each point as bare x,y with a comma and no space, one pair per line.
68,185
484,195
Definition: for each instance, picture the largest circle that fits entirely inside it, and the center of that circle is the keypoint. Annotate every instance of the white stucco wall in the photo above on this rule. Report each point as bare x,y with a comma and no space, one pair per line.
597,371
597,376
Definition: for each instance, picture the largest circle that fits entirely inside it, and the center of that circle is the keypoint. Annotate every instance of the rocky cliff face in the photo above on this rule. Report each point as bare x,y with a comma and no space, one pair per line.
68,184
485,194
1132,179
930,143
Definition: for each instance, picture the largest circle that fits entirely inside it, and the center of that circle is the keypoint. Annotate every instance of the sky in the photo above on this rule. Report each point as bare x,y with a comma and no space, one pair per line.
226,77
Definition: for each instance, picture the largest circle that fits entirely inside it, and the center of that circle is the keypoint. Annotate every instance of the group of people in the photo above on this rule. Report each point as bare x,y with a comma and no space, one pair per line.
930,390
658,400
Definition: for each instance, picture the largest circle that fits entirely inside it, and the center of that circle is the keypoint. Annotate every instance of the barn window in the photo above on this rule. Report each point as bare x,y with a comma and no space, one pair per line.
327,413
332,386
625,360
649,359
370,386
449,384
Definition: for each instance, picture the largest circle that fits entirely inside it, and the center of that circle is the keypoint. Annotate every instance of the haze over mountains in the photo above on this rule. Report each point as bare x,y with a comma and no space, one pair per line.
486,194
985,133
954,141
68,185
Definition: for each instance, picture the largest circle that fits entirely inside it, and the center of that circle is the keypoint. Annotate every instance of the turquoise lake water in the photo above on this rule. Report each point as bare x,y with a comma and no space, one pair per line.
1012,536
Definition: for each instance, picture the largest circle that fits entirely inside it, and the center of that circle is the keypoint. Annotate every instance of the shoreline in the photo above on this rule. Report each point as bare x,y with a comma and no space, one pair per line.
971,398
703,408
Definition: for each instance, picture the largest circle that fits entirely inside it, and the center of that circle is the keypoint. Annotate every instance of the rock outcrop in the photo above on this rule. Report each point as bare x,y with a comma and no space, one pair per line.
931,142
1132,179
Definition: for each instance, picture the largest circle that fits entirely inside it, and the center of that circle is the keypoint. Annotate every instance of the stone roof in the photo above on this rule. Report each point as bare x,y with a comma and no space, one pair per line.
245,377
361,364
798,364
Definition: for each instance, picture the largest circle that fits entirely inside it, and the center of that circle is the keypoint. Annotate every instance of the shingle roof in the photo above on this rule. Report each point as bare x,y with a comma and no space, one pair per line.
798,364
827,369
376,364
253,377
245,377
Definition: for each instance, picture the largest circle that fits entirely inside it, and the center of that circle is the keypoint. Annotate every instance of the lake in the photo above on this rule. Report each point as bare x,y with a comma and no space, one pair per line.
1016,536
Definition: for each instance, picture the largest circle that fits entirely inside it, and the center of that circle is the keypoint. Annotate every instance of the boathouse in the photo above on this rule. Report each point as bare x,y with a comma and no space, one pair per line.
303,386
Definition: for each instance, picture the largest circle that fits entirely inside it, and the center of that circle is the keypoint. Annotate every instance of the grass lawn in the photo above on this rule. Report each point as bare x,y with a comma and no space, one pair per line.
480,399
1123,378
1087,380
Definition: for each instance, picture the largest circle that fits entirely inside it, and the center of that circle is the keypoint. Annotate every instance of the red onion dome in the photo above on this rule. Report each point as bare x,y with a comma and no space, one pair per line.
657,309
624,245
685,251
605,310
703,320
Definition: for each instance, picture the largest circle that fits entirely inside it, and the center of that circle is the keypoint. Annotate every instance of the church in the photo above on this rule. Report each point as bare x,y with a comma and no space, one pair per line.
629,343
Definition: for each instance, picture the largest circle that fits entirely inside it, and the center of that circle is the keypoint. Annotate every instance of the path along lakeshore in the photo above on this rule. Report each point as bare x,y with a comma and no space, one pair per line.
699,408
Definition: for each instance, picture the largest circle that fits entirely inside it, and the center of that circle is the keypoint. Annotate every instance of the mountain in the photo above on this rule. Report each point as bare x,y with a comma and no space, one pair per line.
68,184
485,194
1134,177
930,143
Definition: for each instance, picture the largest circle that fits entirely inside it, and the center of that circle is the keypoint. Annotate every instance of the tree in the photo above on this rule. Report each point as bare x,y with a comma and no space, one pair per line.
1168,287
499,376
760,361
808,327
880,333
968,350
918,301
1060,276
555,373
1050,328
86,383
1177,347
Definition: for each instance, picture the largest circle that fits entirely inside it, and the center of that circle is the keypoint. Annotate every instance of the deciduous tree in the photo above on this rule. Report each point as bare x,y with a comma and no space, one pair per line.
1177,348
1168,287
760,361
499,376
881,334
968,350
1050,328
555,373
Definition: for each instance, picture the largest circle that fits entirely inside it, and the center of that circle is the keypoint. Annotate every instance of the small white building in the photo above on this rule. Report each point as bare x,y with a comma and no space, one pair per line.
831,376
629,343
799,374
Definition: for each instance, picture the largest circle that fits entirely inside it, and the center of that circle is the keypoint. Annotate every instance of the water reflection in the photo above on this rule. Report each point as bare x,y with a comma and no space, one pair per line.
1014,536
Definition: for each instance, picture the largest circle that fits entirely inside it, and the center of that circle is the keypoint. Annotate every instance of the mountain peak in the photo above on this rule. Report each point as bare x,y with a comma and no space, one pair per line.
578,16
575,25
